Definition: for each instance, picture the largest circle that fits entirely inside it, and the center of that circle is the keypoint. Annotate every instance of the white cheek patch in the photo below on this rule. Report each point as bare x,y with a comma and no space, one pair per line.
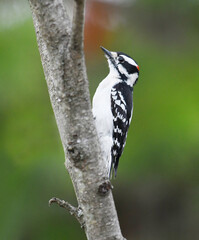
122,70
132,79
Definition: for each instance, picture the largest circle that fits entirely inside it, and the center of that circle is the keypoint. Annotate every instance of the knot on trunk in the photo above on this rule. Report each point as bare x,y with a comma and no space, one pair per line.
105,188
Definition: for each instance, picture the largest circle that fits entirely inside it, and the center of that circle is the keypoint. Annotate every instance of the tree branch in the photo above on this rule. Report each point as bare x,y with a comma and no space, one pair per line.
61,48
78,26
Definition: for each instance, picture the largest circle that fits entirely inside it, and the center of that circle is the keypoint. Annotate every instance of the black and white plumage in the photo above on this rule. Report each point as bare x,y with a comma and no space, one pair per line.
113,106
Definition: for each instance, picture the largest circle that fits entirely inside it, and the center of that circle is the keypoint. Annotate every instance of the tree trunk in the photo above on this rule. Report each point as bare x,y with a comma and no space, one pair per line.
60,42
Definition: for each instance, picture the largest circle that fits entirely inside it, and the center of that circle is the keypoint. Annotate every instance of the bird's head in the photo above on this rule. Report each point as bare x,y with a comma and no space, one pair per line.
122,66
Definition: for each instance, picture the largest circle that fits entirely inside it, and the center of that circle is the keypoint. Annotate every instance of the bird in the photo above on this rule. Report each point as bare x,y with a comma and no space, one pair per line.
112,107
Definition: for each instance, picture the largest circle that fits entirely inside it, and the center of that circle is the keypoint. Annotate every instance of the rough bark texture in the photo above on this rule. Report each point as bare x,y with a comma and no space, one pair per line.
60,42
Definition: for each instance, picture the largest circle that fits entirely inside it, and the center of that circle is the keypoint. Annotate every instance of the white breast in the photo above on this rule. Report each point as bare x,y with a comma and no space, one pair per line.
103,116
102,106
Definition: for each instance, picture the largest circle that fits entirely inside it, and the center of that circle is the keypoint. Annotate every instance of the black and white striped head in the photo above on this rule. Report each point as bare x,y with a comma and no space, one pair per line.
122,66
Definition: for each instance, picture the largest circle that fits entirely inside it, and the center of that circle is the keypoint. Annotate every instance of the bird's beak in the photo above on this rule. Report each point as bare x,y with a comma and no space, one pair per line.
107,52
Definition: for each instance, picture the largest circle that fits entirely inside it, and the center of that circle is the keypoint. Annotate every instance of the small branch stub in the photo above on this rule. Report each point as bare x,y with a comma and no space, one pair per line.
75,211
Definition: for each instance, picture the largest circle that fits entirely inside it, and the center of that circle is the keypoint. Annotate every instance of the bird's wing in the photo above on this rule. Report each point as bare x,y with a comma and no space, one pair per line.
121,106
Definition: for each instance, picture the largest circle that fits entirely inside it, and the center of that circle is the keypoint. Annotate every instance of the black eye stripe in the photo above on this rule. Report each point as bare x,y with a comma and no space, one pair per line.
124,55
129,68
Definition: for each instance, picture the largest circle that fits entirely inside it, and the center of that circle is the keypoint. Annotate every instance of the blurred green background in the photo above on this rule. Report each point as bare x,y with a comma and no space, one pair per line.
157,188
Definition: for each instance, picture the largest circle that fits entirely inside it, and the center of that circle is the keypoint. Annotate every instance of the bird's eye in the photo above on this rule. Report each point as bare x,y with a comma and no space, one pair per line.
120,59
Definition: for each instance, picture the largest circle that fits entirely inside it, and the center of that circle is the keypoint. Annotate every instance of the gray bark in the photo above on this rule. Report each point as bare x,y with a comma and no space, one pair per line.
60,42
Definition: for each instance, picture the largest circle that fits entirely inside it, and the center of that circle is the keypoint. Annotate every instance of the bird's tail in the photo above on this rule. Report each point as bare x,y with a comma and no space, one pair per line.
113,169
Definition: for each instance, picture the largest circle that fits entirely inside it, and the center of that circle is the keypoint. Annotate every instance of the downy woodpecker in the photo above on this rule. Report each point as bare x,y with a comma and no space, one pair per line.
113,106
